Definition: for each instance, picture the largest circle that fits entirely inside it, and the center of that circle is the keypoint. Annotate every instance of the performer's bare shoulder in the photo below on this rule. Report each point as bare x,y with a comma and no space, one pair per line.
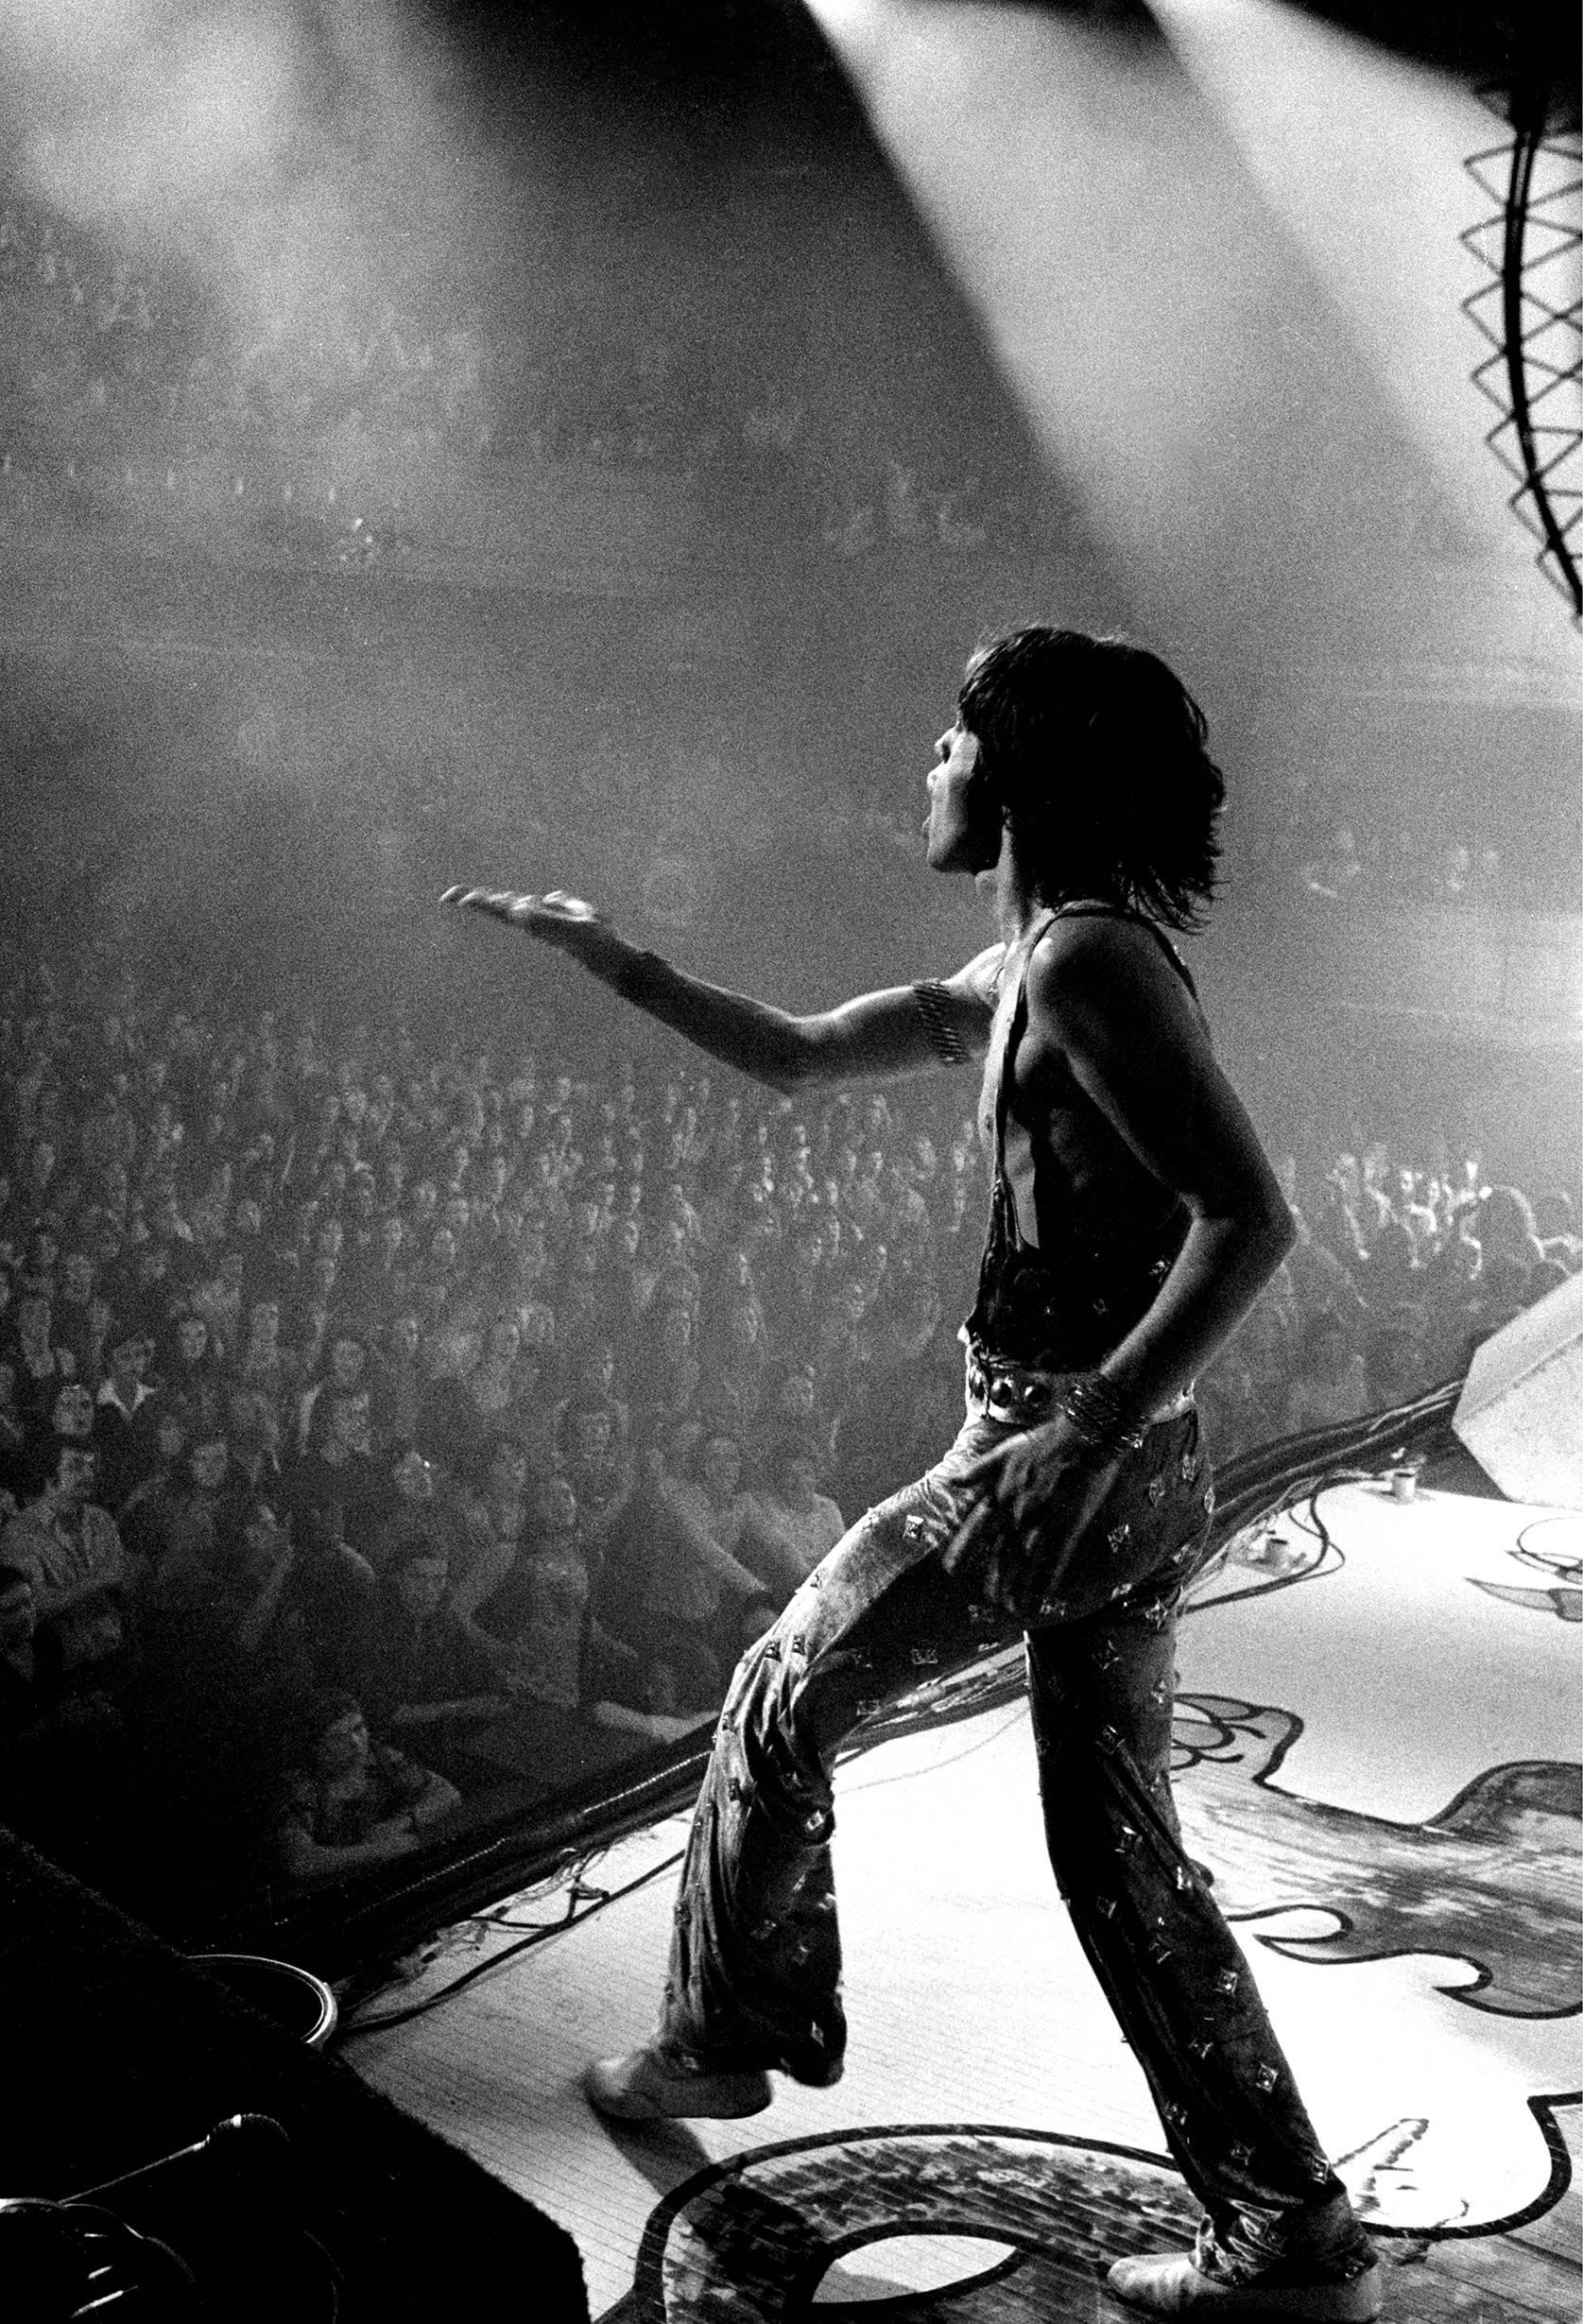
979,981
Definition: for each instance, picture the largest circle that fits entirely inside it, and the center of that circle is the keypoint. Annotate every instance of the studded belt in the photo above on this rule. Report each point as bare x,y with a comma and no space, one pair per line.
1020,1396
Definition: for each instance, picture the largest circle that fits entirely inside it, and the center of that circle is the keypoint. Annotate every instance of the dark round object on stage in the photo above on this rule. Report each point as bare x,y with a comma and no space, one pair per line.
294,1999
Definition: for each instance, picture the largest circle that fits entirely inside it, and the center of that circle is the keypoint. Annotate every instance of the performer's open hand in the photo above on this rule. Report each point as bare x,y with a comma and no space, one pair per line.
565,922
1034,1496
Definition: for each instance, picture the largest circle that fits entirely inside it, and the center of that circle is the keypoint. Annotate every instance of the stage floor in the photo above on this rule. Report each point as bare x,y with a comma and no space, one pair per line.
1379,1722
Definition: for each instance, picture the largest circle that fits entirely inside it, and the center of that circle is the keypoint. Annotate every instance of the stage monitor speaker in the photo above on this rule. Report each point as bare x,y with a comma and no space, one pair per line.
1521,1413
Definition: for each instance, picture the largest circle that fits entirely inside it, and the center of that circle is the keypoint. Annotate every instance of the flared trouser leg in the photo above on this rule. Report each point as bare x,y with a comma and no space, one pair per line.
1100,1694
755,1970
755,1966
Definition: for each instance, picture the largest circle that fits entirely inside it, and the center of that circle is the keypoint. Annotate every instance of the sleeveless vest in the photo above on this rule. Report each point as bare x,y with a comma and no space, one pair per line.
1062,1300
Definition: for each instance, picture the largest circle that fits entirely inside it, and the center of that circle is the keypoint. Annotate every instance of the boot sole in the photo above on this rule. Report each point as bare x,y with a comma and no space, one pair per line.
1357,2302
656,2096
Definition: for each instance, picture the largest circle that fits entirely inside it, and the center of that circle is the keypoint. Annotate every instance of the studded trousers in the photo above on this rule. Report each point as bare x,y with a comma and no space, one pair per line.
755,1968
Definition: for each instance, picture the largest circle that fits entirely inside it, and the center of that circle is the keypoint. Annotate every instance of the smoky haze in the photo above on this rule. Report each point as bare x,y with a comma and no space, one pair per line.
296,165
585,454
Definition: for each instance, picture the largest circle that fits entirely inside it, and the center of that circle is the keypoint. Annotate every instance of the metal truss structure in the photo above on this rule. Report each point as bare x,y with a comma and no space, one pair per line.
1531,314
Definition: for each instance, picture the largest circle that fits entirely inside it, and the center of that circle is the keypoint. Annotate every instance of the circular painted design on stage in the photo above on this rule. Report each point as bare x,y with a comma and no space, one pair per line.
1029,2223
786,2231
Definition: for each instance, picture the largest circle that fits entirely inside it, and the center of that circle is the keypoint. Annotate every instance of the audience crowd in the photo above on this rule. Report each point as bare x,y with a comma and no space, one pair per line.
382,1426
111,366
115,360
1405,868
1382,850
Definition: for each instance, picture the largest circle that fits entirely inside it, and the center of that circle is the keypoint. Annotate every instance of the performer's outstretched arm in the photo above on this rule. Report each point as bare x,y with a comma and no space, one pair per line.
908,1029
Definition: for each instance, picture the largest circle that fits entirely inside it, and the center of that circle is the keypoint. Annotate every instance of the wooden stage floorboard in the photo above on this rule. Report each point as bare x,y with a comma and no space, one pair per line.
1378,1726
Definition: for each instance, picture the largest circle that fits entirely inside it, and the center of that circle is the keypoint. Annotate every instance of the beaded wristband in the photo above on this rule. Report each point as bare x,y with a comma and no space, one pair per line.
1098,1411
934,1006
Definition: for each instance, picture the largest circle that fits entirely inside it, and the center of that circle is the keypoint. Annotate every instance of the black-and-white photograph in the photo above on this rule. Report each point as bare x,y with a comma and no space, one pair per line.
791,1152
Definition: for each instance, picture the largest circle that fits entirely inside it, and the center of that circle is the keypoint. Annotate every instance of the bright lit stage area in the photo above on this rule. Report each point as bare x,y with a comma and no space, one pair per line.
1378,1738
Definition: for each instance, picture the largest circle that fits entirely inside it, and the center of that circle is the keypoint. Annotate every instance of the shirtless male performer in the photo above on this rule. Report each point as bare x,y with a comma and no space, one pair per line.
1133,1219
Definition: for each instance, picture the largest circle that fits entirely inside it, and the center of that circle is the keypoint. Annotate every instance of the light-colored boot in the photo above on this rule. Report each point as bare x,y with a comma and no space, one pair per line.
1171,2285
650,2086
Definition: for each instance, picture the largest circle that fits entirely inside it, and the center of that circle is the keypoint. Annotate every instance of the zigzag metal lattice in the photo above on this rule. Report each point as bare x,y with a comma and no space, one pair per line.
1535,186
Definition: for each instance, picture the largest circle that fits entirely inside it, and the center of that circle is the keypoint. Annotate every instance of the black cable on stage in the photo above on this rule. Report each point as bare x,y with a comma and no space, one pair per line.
541,1932
1311,1521
537,1932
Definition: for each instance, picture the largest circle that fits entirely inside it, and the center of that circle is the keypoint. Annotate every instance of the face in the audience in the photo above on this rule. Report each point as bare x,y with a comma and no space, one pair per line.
414,1477
74,1413
74,1475
798,1483
344,1748
797,1395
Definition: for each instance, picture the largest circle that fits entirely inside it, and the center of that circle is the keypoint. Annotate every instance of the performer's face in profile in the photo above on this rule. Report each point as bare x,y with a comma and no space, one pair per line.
963,832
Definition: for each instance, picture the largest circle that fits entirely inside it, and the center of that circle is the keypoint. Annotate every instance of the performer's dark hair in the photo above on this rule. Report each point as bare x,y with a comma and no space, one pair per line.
1095,753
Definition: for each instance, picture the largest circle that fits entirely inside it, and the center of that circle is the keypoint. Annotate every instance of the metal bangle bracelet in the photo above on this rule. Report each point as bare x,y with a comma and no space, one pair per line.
1099,1412
934,1006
